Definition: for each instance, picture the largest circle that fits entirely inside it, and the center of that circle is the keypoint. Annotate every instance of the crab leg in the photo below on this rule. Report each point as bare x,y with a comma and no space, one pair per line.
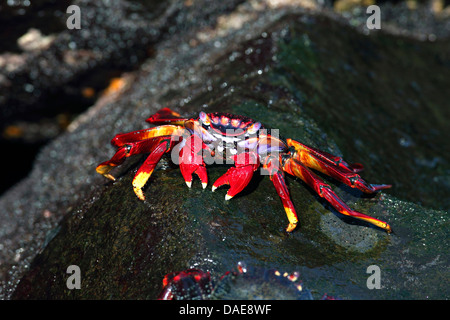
272,165
162,145
191,160
297,169
131,137
136,142
166,115
126,151
105,167
239,176
333,166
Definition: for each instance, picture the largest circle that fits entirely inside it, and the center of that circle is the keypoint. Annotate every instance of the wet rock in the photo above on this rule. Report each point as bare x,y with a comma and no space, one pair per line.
248,283
315,79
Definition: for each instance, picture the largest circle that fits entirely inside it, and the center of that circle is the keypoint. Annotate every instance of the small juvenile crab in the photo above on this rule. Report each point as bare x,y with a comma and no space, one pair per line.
217,137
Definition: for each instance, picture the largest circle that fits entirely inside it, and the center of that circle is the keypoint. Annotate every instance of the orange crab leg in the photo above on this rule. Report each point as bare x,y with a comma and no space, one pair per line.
333,166
297,169
128,150
141,141
277,176
105,167
161,146
135,136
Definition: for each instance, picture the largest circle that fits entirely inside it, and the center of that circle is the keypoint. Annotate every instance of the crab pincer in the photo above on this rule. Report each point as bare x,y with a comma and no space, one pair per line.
191,161
238,177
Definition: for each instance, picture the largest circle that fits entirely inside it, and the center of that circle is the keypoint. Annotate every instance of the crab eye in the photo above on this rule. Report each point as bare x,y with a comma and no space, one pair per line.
204,118
254,128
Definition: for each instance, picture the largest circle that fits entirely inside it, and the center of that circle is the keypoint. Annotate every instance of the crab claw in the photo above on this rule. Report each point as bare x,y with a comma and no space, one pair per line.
238,177
191,161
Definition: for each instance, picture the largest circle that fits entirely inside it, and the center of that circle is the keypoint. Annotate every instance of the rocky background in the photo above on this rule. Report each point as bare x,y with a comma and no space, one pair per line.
311,69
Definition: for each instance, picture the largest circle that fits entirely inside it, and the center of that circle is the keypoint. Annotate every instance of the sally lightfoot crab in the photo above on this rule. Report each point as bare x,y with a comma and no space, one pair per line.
245,143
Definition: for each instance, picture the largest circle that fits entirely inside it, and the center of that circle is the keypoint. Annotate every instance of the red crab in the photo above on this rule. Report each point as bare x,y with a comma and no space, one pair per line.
239,140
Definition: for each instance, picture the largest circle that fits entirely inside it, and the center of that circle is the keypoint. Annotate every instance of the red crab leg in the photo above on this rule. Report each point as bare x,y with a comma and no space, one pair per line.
239,176
126,151
272,165
141,141
333,166
162,145
166,115
191,160
166,130
297,169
